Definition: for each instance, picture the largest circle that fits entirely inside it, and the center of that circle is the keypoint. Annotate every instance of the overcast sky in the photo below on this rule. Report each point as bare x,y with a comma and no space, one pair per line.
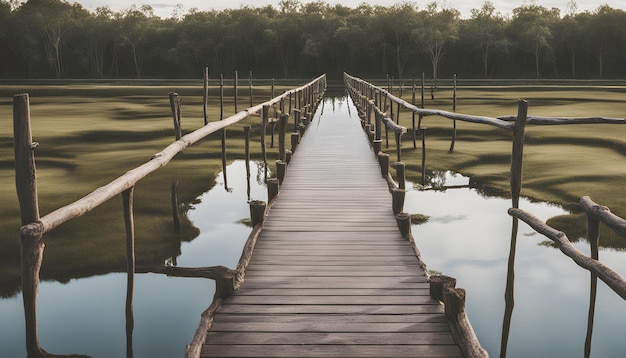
165,8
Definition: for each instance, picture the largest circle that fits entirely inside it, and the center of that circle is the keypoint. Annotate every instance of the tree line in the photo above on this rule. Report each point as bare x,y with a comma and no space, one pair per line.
59,39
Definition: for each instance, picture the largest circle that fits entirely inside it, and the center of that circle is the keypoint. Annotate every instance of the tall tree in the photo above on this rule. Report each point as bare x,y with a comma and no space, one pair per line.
135,24
440,27
485,31
532,23
606,32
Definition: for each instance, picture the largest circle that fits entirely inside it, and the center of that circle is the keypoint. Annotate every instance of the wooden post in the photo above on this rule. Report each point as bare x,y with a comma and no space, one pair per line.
383,160
400,173
31,244
404,224
221,96
378,129
250,86
175,211
399,145
265,118
295,139
517,154
129,224
397,196
282,131
235,82
288,154
223,135
257,212
413,115
438,284
454,120
175,107
419,121
24,149
423,133
281,168
246,134
206,95
273,185
377,145
282,108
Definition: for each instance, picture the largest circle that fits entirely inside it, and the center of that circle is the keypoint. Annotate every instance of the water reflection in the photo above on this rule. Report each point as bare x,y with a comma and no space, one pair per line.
523,299
140,315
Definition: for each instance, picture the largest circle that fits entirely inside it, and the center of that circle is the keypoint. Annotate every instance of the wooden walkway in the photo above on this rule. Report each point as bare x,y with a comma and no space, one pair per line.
331,275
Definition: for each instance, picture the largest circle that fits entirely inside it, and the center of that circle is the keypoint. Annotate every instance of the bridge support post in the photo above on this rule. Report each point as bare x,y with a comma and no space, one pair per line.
257,212
400,173
404,224
273,185
281,168
383,160
397,196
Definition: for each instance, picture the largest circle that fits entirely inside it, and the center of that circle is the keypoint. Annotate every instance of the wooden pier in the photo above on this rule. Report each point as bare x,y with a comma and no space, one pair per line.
331,275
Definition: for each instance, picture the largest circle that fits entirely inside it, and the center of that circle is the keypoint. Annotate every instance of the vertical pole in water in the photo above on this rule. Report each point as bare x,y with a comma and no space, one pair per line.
127,198
206,95
401,174
423,132
224,159
221,96
175,107
235,82
282,131
399,145
264,119
419,121
246,133
250,85
454,120
282,108
413,114
517,154
175,212
32,246
593,236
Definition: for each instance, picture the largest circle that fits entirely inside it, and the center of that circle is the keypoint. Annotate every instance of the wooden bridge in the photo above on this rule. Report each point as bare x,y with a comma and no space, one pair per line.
331,274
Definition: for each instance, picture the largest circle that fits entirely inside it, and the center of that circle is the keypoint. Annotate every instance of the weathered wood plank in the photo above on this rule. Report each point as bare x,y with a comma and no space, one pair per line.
335,292
332,350
326,318
329,300
361,338
332,309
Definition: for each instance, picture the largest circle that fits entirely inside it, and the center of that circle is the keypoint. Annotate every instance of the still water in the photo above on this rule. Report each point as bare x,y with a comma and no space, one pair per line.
467,236
87,315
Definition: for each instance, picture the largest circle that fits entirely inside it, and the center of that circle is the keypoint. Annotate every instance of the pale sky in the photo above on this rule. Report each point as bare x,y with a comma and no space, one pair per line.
165,8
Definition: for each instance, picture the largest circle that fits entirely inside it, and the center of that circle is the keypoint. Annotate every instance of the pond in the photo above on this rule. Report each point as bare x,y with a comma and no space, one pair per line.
467,236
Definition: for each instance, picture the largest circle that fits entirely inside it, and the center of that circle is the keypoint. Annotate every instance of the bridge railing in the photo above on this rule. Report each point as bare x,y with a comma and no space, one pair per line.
366,95
34,227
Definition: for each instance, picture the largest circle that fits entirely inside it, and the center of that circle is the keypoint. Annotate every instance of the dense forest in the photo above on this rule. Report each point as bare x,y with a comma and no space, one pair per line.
59,39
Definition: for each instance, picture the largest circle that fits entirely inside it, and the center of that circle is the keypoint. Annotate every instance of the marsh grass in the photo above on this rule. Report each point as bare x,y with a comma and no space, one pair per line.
91,134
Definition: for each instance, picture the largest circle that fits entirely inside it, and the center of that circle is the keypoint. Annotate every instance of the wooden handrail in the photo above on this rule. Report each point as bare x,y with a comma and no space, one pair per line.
433,112
160,159
604,214
567,120
606,274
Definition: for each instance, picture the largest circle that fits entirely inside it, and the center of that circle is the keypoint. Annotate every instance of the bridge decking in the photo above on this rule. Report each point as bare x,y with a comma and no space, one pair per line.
331,275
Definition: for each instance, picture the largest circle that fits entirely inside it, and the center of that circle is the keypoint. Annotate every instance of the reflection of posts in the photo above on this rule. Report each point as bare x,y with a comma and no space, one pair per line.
175,211
509,296
127,197
593,236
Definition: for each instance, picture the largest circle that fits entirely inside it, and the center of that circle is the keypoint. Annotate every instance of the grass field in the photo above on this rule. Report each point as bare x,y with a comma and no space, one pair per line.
89,134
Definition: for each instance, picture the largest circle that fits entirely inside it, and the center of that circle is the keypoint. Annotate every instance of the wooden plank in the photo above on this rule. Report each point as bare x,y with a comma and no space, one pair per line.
335,292
332,309
337,318
329,327
362,338
331,351
329,300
